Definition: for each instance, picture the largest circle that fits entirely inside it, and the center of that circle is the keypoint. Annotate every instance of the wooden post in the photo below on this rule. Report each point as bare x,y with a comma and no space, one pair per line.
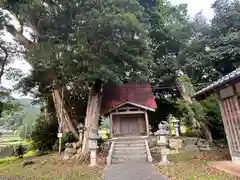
147,123
61,126
237,116
111,124
26,129
226,128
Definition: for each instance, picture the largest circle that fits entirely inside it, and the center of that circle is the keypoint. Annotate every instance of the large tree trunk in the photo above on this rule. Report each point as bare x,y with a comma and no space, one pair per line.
207,132
186,90
92,113
63,117
67,122
186,96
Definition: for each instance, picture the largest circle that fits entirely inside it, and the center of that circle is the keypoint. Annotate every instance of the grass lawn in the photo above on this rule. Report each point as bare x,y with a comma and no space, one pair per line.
49,167
11,140
193,166
185,166
14,158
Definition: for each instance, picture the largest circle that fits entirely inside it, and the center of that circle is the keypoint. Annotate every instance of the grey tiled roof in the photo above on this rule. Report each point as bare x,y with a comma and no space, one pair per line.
233,75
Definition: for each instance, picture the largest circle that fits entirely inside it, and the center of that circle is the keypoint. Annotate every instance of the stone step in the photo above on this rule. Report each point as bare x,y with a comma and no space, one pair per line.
130,142
129,148
129,145
130,153
132,156
130,138
120,160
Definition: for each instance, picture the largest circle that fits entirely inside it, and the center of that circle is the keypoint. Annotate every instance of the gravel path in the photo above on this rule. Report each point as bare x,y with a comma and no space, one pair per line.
133,171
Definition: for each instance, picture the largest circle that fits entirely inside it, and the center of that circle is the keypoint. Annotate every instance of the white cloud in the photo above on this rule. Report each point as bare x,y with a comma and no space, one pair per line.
196,6
19,63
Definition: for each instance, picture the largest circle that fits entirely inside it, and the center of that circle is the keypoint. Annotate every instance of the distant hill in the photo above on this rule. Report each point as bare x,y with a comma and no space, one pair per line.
27,115
27,105
30,111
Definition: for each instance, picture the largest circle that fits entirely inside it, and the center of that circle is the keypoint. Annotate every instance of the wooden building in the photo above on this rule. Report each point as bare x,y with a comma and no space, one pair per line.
228,91
127,107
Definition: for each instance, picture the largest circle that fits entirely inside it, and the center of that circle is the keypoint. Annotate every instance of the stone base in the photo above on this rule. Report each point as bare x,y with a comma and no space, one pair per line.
191,148
92,165
236,160
66,156
164,163
205,149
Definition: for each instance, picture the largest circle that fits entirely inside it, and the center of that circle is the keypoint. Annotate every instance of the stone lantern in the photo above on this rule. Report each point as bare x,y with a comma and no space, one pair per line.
93,139
162,141
80,128
161,133
176,127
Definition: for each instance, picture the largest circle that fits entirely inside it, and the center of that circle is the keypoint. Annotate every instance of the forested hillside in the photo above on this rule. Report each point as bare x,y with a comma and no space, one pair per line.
25,115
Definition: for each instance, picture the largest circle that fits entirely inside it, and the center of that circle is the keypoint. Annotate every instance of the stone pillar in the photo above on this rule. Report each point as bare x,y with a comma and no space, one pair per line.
93,158
80,128
164,153
93,137
176,127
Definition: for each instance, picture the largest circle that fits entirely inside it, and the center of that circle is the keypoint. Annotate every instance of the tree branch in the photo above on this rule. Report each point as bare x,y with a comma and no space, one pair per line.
3,63
18,36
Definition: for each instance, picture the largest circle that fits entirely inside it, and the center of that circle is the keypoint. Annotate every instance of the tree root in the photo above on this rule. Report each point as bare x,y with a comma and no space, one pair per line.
83,158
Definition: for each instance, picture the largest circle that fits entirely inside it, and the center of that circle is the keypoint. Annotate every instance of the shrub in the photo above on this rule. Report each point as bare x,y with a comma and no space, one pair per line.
192,133
68,138
56,146
213,117
108,135
32,146
19,151
44,134
101,143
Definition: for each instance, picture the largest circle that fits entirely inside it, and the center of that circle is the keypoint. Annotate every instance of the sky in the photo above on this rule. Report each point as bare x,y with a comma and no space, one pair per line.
193,7
196,6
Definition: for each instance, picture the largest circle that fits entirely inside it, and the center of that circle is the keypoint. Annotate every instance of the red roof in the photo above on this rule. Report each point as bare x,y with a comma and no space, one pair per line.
114,95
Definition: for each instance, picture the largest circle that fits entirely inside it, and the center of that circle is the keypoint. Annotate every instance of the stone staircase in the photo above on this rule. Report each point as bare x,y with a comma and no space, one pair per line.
129,149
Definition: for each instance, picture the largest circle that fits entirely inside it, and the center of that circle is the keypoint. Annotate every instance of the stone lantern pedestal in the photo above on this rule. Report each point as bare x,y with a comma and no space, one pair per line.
93,138
164,154
162,141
